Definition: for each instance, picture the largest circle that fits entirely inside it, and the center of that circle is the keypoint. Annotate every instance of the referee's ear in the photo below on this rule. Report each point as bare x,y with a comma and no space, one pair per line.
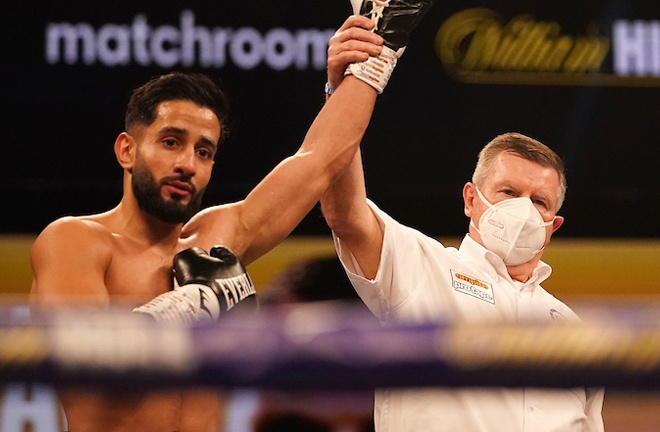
469,194
558,222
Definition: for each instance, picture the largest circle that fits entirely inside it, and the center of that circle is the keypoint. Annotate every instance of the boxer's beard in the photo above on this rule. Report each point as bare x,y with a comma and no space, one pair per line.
147,193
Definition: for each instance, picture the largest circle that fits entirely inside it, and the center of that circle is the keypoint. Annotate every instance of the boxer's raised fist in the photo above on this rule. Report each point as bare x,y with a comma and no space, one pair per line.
395,20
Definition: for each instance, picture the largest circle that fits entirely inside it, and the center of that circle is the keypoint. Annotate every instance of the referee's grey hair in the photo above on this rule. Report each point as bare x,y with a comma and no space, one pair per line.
527,148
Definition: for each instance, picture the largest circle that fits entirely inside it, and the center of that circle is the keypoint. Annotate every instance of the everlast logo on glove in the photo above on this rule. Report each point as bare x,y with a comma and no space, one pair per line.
236,289
222,272
206,288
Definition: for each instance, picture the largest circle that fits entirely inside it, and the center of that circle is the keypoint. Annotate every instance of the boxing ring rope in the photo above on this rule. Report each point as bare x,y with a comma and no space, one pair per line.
329,346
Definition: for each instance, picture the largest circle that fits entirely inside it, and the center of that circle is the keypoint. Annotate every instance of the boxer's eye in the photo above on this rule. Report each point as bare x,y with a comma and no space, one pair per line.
170,142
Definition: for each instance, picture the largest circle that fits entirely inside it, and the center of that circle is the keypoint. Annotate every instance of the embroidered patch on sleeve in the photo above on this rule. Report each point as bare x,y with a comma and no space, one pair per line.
472,286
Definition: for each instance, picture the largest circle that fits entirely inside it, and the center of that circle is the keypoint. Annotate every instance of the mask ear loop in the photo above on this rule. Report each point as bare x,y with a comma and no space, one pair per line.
485,201
482,197
545,224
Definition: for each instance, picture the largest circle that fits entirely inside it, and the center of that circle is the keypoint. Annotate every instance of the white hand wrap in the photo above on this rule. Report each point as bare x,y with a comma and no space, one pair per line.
184,305
376,70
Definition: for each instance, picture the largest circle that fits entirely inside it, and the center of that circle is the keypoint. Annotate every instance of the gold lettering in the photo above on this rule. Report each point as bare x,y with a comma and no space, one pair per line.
472,281
476,43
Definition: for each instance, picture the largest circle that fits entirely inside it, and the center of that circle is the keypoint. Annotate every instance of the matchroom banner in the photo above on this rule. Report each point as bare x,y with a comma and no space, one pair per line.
581,76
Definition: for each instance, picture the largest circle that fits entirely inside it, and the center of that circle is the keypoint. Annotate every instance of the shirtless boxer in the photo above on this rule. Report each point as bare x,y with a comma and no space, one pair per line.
125,255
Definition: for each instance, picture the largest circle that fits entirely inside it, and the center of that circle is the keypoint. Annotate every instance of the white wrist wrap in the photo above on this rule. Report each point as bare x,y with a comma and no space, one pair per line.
376,70
189,304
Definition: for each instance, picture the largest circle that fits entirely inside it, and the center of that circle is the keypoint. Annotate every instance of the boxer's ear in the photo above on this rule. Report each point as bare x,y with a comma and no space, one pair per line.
125,150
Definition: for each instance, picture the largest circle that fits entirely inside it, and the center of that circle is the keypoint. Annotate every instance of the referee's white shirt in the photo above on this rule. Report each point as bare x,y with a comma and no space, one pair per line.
421,280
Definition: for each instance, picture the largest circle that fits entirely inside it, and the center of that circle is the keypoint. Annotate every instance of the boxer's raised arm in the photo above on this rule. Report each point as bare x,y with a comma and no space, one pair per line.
278,203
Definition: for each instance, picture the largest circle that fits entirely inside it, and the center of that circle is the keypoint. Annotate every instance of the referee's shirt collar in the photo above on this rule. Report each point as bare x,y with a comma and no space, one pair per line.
490,263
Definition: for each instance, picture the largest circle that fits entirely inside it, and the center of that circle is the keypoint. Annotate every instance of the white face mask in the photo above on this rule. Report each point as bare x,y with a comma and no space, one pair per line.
513,229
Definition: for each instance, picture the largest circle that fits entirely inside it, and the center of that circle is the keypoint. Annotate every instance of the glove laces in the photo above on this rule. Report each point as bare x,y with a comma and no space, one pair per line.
377,8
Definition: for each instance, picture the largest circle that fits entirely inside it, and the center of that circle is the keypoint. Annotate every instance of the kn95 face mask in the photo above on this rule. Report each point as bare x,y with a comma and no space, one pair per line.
513,229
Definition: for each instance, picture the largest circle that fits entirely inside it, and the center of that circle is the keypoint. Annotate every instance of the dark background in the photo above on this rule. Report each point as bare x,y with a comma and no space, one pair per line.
59,121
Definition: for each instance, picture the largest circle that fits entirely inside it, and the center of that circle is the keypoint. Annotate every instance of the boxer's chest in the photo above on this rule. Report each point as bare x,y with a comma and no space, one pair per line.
138,274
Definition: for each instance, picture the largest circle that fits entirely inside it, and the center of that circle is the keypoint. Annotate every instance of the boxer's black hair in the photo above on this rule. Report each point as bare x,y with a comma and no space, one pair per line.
142,107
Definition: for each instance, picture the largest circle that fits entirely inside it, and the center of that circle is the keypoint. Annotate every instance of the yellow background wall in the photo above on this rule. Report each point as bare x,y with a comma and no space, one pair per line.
585,267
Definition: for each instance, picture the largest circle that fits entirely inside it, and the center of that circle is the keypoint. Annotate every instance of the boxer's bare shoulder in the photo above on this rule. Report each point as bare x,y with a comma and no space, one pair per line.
91,259
212,226
75,231
69,259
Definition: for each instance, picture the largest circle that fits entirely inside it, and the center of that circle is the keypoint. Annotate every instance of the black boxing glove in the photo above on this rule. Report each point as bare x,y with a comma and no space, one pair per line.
395,20
221,271
206,287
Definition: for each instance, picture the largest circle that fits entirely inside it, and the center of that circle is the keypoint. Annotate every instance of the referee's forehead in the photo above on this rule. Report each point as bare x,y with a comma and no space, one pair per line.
510,169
